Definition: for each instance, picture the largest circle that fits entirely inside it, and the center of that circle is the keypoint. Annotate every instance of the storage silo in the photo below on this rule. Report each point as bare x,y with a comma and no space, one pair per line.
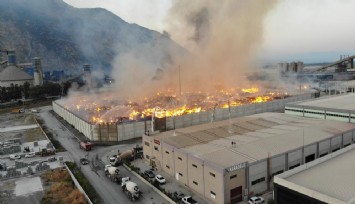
87,75
38,73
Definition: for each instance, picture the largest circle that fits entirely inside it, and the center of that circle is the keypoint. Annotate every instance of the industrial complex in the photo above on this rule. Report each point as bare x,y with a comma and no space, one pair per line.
227,161
98,109
326,180
18,74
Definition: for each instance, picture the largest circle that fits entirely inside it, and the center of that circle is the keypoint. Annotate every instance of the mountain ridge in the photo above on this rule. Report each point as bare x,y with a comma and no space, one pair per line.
66,37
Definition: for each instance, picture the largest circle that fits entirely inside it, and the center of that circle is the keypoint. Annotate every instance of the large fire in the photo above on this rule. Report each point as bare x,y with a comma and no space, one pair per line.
105,109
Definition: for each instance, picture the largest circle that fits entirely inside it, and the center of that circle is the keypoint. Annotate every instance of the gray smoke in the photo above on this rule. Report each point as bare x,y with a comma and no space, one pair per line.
223,37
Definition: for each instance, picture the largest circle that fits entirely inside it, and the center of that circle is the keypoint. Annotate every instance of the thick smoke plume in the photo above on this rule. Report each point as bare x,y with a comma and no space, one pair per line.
221,38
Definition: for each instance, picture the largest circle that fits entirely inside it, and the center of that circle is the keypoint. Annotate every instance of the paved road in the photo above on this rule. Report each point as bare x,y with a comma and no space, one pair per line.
109,191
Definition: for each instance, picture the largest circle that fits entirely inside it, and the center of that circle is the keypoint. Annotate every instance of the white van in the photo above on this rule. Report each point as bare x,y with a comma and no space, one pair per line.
30,154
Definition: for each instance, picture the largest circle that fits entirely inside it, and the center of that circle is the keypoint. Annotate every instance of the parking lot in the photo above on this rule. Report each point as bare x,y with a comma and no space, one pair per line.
171,184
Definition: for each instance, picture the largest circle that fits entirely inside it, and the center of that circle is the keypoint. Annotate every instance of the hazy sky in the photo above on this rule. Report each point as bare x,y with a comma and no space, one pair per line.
293,28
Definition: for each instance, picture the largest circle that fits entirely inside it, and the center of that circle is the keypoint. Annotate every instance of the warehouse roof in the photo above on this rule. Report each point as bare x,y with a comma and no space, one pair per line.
254,137
330,179
343,102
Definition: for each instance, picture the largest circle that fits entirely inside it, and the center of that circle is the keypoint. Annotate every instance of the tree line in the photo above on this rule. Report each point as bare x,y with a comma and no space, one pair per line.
25,91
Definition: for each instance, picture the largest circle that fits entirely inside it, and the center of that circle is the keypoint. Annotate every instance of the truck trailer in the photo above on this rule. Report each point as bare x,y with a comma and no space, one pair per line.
130,189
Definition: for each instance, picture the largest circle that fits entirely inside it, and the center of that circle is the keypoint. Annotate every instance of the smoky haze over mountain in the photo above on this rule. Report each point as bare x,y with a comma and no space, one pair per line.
221,37
66,37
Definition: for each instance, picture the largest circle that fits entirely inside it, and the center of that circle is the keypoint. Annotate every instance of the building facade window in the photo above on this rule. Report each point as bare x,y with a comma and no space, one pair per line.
233,176
156,148
166,152
259,180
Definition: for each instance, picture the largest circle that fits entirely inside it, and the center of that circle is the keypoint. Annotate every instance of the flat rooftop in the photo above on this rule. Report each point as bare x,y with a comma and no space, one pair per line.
341,102
254,137
331,178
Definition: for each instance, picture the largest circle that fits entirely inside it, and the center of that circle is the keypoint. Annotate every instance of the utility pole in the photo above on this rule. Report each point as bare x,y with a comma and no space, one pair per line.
180,80
23,100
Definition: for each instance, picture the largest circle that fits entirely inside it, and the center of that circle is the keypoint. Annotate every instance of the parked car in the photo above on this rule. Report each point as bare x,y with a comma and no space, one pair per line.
178,195
188,200
15,156
149,174
84,161
256,200
160,179
52,159
30,154
34,110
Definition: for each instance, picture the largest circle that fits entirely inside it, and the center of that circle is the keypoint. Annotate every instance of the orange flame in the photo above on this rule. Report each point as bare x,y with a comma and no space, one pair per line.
251,90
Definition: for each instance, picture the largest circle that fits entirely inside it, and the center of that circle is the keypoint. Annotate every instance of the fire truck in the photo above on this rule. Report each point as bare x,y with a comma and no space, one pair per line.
85,145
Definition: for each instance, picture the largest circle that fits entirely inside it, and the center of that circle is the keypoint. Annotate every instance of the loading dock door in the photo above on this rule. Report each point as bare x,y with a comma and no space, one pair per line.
310,158
236,195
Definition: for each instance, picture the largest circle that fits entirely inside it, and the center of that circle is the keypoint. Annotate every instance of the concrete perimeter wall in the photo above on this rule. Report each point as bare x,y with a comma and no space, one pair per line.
79,124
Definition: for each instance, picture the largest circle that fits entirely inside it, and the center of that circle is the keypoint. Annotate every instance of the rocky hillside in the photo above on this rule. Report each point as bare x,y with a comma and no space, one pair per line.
66,37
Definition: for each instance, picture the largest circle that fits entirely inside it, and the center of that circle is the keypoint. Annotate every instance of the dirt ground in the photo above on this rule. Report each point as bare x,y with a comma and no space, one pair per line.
8,192
20,119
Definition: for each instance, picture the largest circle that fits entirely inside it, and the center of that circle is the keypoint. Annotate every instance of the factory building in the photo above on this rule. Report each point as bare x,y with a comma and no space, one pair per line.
229,161
292,67
338,108
330,179
19,74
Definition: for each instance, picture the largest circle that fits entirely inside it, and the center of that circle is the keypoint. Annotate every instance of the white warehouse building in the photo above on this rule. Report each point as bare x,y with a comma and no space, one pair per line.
338,108
229,161
317,181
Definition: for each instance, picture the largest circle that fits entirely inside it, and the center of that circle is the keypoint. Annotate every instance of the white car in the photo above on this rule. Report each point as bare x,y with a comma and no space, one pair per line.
256,200
160,179
30,154
15,156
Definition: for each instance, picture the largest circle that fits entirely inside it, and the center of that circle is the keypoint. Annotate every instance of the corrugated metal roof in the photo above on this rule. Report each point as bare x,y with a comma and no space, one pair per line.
256,142
181,141
334,177
345,102
13,73
224,158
